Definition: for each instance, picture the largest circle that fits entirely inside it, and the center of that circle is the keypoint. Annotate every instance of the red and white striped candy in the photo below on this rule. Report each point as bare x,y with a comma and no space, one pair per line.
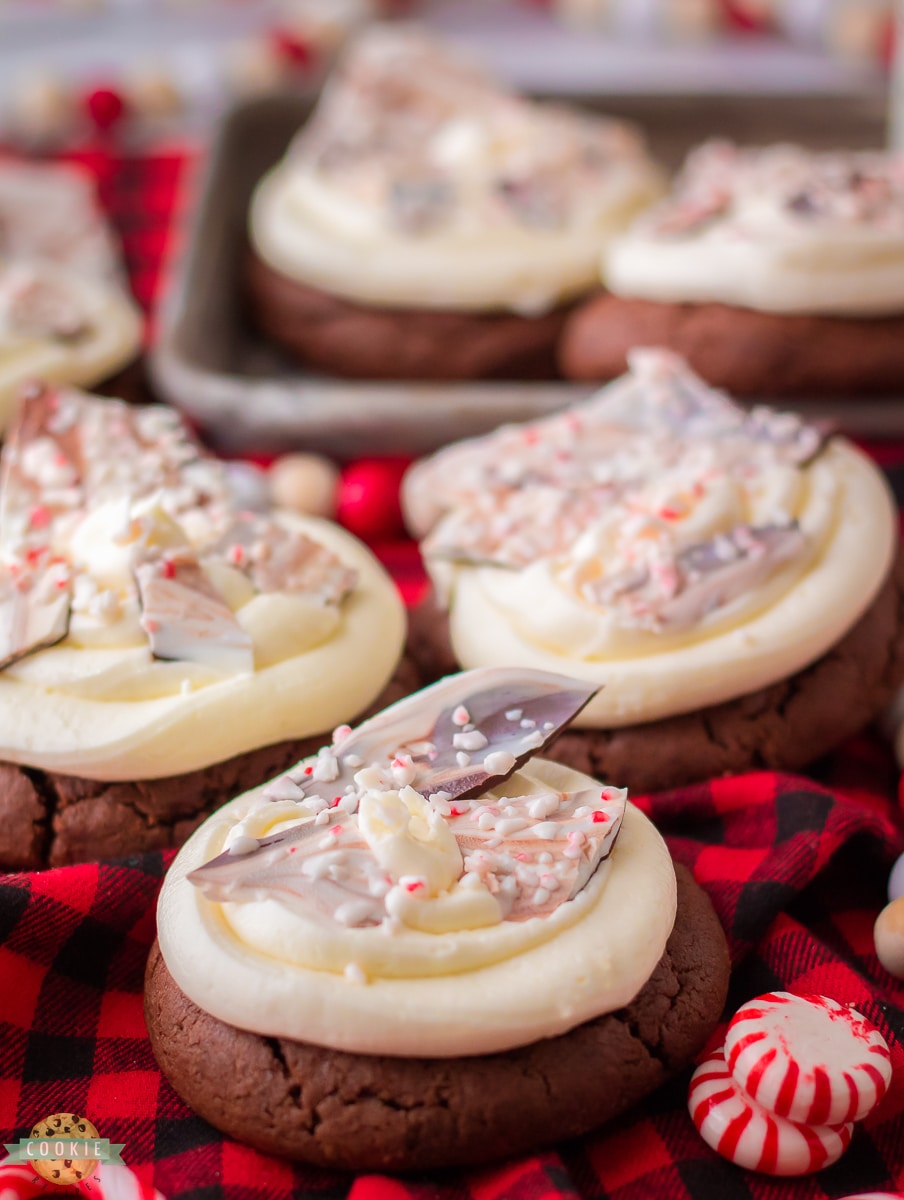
808,1058
746,1134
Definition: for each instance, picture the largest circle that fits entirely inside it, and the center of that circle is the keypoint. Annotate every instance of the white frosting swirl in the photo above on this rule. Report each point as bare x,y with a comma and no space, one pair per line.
258,965
655,540
115,713
781,229
420,182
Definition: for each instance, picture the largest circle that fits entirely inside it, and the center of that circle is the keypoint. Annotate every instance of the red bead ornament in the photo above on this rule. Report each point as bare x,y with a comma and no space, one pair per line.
368,504
292,49
105,108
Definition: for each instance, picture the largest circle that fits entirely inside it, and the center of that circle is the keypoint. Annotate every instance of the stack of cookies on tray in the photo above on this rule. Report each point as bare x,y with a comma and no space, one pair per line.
444,934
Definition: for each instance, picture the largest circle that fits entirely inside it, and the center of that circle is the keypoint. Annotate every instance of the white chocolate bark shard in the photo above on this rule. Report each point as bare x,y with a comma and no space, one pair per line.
35,603
276,560
187,619
432,841
702,578
444,756
142,515
604,447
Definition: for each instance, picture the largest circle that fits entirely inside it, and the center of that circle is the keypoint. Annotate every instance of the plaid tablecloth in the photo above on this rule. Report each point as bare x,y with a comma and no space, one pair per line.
796,867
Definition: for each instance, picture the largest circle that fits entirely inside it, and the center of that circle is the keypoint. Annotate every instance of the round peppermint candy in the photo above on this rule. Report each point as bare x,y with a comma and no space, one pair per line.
808,1058
746,1134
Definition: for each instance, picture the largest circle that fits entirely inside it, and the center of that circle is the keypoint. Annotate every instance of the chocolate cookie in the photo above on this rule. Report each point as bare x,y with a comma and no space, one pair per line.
52,820
747,352
356,341
784,726
362,1112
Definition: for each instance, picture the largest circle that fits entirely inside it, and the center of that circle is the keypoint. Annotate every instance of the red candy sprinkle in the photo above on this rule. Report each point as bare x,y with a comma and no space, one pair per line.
309,770
39,517
598,817
168,569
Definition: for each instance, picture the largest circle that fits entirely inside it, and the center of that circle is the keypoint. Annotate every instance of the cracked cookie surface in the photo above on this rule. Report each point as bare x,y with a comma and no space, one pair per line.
784,726
368,1112
52,820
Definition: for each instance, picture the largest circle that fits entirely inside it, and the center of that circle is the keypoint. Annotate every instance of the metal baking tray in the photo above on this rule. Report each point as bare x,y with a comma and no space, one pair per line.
247,396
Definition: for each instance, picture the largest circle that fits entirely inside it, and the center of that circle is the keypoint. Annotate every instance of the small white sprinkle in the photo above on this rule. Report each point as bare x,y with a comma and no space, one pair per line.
354,974
340,733
486,821
499,762
326,768
547,725
544,806
584,811
509,825
473,740
540,896
461,716
527,723
572,852
348,803
283,788
533,740
546,830
352,761
514,714
463,760
323,817
545,858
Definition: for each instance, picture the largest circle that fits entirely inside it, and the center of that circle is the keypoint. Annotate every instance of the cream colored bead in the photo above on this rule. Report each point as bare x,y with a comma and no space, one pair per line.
888,935
305,483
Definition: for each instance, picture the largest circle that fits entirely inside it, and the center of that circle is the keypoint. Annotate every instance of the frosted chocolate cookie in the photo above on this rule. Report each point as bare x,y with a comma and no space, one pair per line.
728,576
428,223
426,946
159,646
773,271
65,315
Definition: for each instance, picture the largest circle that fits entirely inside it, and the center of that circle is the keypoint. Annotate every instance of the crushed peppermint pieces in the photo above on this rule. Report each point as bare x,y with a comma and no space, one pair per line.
529,852
611,500
69,455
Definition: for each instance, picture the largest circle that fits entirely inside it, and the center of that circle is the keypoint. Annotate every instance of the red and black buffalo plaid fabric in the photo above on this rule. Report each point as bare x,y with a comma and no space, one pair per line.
796,868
